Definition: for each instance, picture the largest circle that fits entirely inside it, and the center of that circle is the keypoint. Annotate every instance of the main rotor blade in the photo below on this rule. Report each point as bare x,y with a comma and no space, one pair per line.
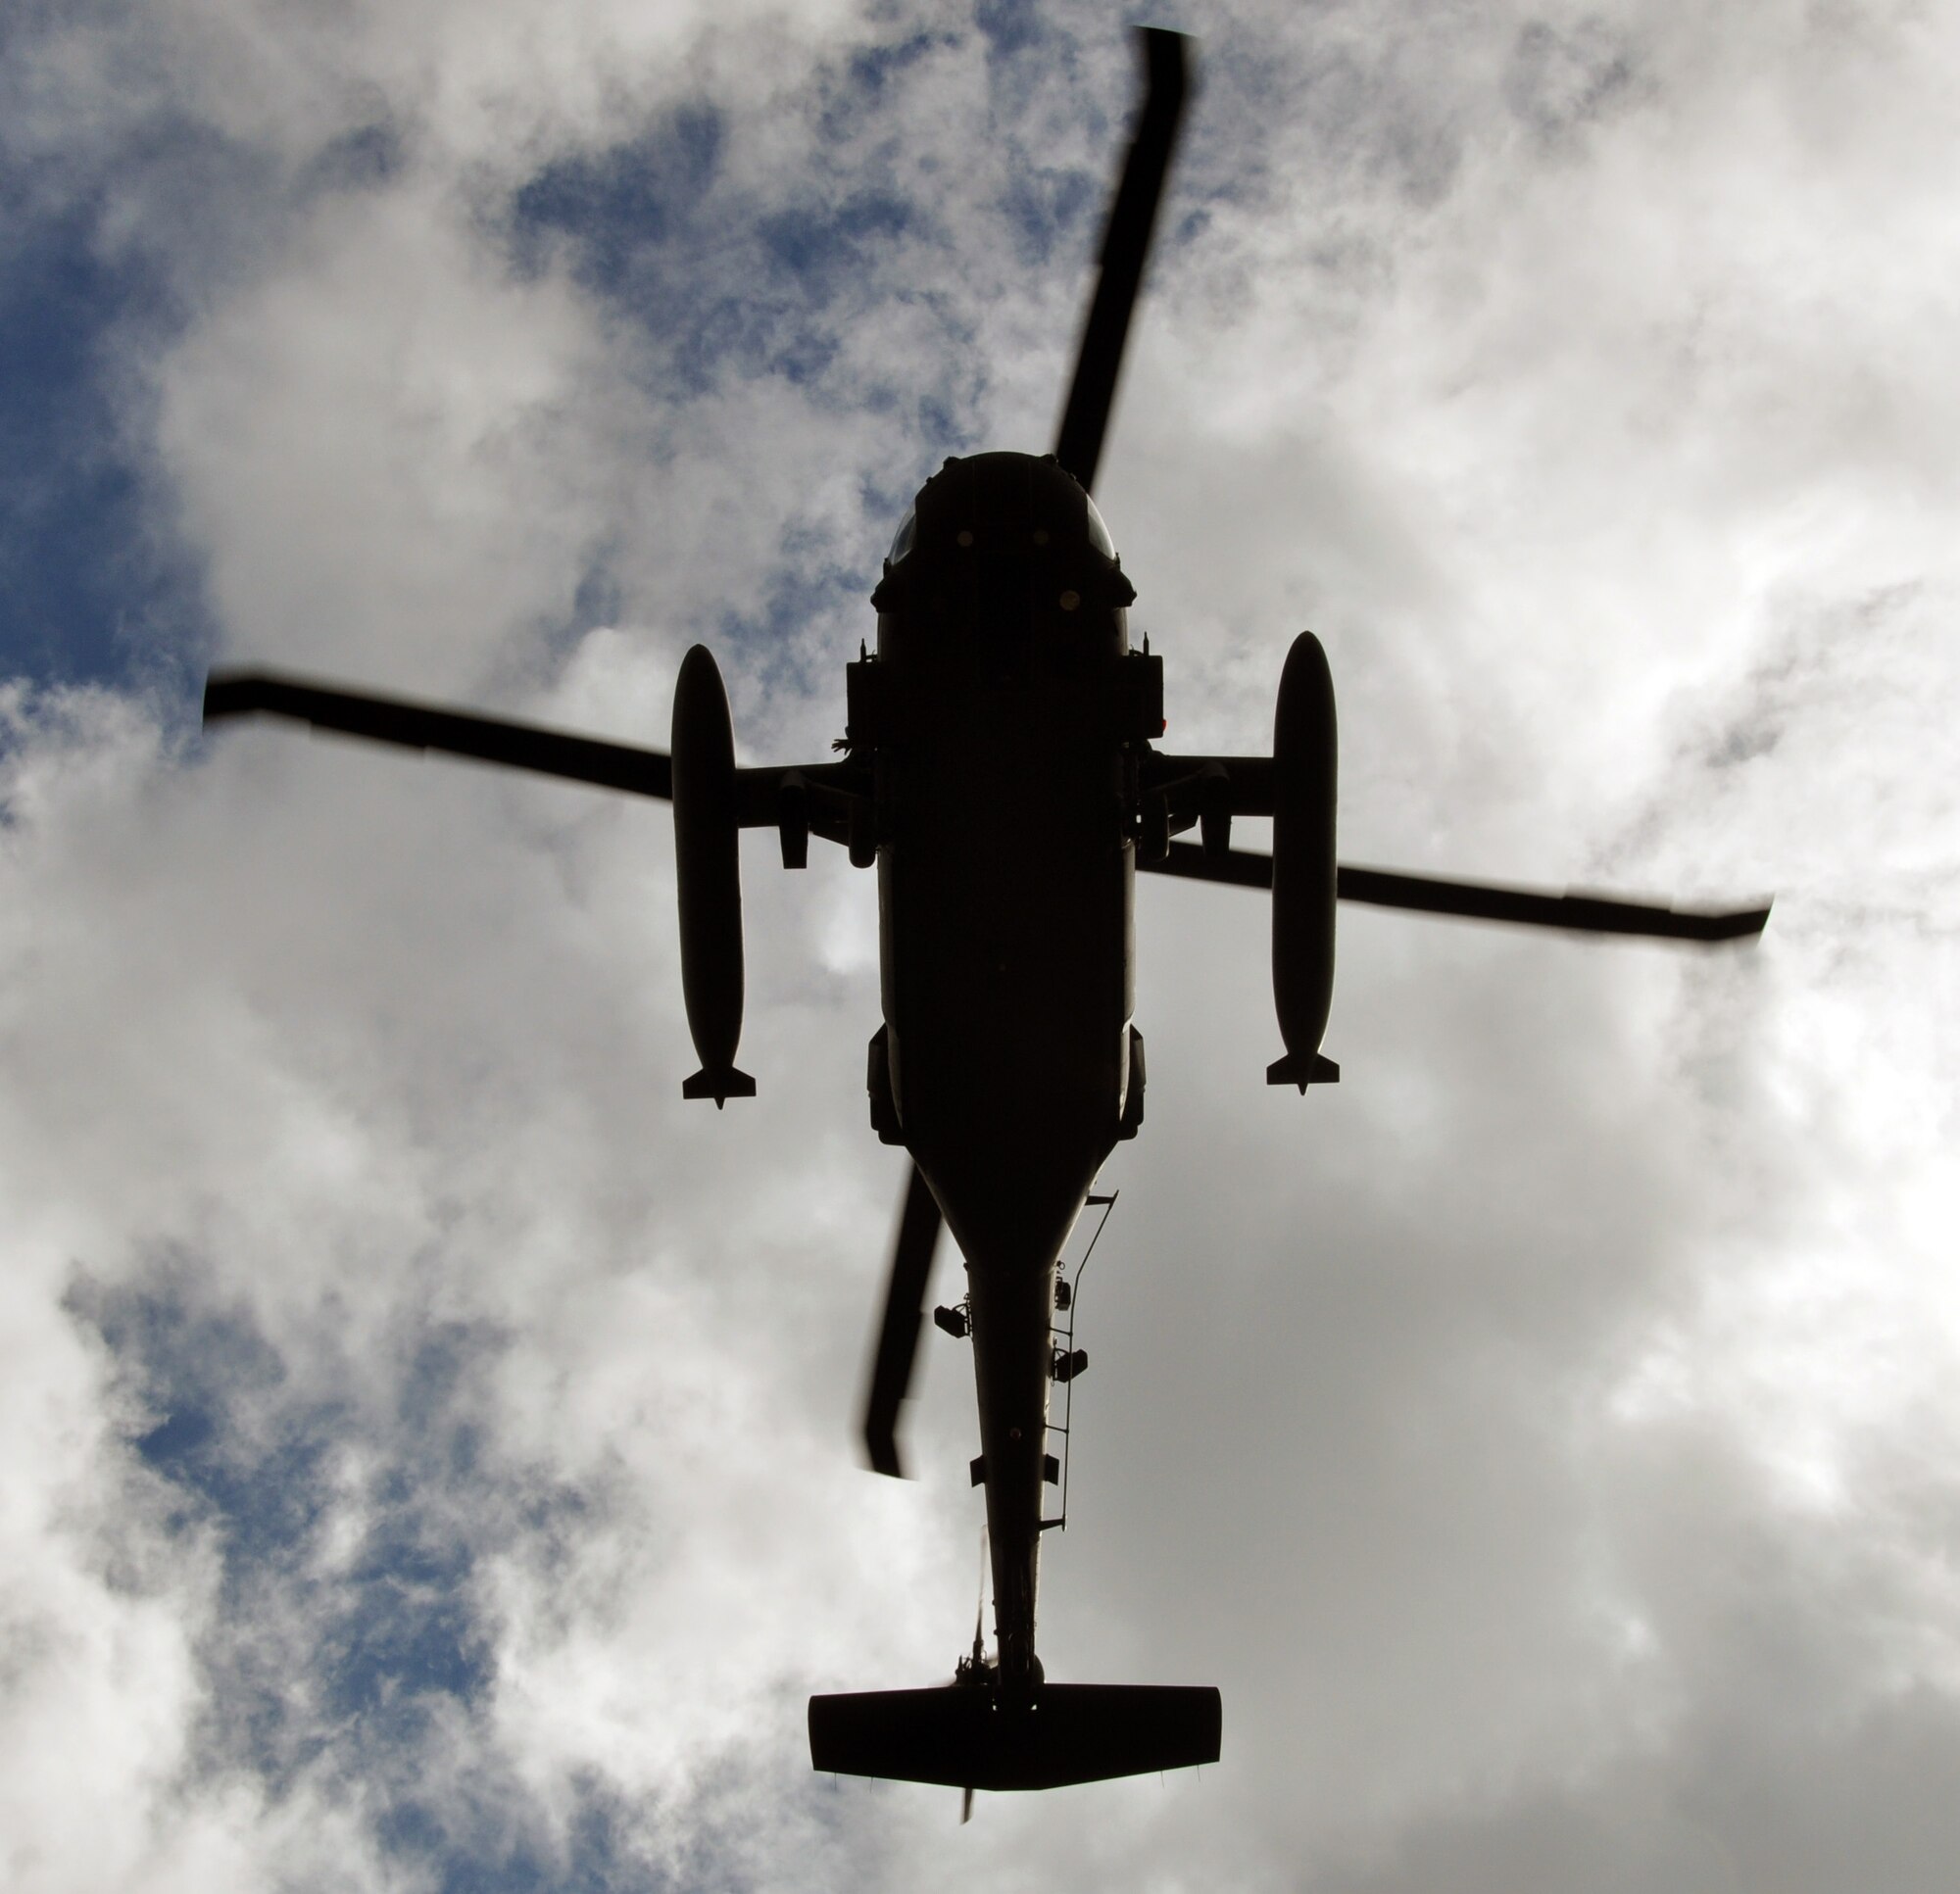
898,1331
427,726
1480,901
1126,245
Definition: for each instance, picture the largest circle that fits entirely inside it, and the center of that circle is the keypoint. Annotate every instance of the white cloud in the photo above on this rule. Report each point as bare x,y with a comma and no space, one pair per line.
1538,1438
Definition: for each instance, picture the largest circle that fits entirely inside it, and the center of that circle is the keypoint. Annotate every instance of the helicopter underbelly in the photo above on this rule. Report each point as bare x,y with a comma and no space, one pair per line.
1005,899
1005,888
1003,711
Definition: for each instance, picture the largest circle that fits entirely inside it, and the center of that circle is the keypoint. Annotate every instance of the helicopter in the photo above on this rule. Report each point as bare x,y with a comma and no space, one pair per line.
1001,772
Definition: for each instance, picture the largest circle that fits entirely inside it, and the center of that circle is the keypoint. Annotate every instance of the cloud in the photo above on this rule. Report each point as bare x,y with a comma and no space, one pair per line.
429,1441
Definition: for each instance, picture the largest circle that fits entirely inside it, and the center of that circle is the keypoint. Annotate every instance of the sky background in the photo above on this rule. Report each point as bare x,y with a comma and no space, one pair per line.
429,1442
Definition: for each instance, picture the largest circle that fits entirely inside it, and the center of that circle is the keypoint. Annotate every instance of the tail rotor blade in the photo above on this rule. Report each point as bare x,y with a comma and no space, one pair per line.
898,1331
1126,244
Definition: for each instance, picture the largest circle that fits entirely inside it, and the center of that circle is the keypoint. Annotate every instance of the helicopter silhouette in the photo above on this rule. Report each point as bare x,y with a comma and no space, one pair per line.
1001,770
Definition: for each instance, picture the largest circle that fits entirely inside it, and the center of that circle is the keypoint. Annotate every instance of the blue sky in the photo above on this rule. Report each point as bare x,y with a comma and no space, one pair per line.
430,1441
91,594
103,586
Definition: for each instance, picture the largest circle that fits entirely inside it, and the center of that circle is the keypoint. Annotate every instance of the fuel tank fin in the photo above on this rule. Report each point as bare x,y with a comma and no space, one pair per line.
1320,1070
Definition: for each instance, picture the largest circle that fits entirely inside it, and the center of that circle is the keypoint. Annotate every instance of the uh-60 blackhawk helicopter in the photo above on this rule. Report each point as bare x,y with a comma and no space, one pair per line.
1001,772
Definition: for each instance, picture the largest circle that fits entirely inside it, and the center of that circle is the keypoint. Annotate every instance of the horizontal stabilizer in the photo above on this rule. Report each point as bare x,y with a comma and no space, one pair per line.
1320,1070
961,1737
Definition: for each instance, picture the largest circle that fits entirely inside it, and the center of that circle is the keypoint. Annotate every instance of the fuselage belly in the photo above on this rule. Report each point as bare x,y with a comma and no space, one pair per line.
1006,886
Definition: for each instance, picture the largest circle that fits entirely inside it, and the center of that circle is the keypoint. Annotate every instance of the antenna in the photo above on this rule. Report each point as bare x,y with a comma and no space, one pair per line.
975,1666
979,1658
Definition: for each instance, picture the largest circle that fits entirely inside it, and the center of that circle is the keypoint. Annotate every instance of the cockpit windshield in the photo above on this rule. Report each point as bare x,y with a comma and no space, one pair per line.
1098,534
906,536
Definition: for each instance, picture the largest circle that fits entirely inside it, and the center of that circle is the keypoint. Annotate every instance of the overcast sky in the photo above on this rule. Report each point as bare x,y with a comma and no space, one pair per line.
429,1455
